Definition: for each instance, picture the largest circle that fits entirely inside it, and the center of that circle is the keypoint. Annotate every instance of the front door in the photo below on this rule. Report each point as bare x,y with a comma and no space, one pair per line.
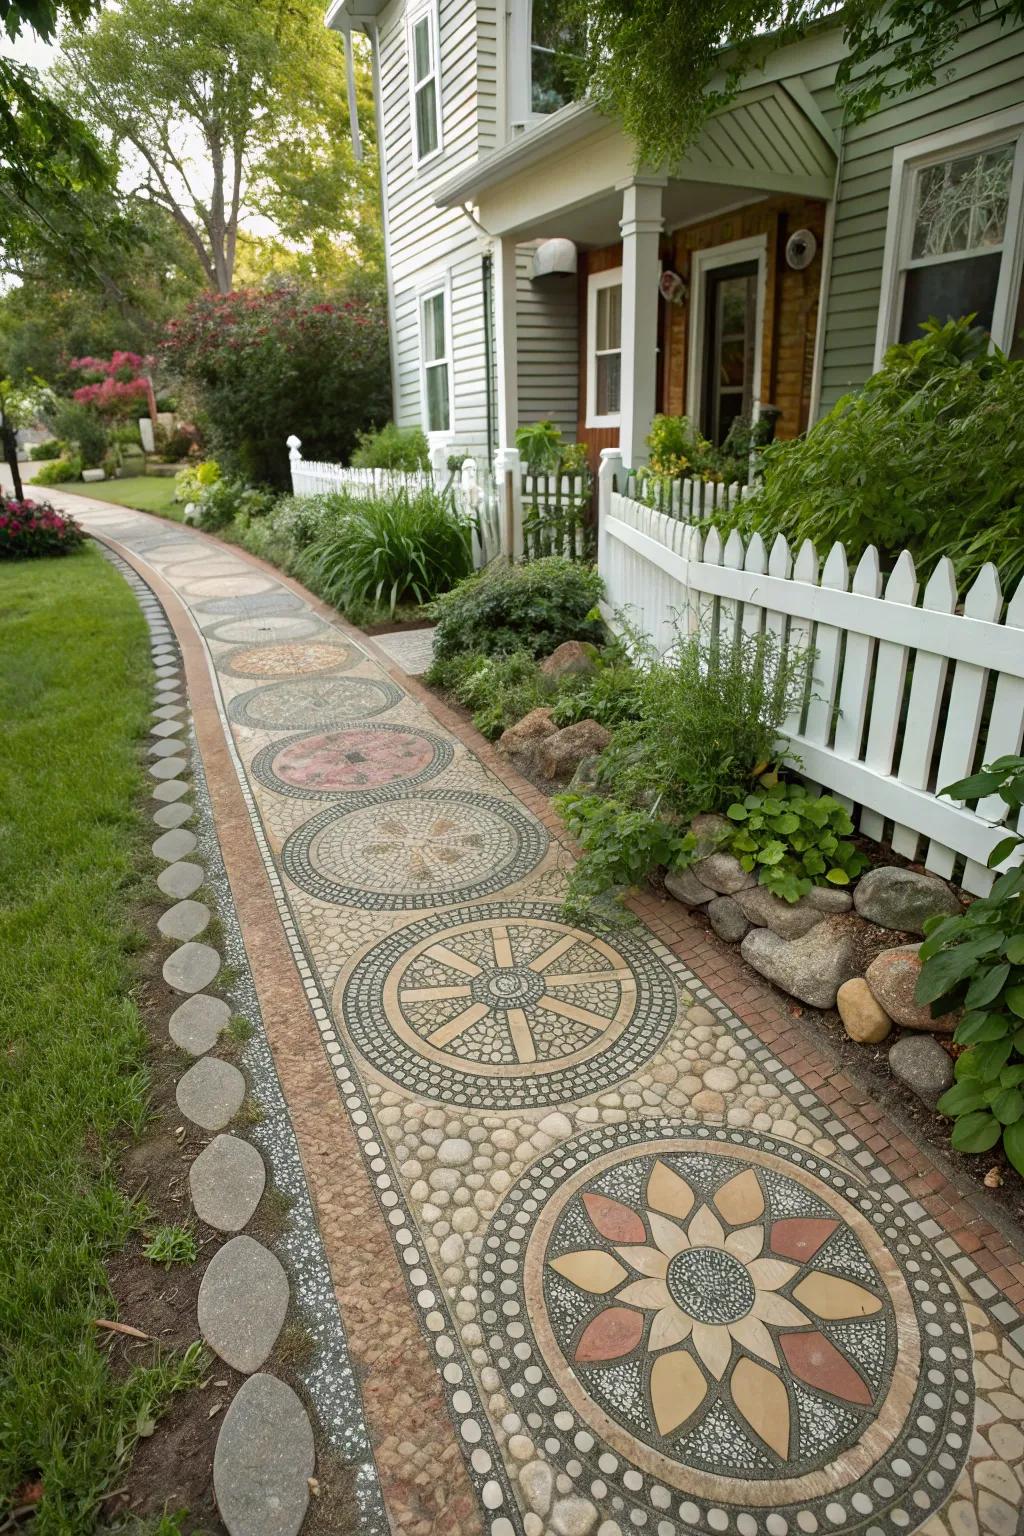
730,345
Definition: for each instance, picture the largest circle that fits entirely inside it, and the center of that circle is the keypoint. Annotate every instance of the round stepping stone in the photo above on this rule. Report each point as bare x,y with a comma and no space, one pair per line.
172,815
185,920
165,748
172,790
211,1095
191,968
174,845
226,1183
264,1460
196,1024
180,880
243,1301
169,768
168,711
168,728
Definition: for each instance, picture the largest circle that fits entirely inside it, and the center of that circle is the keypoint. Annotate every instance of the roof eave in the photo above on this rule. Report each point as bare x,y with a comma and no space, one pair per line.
563,127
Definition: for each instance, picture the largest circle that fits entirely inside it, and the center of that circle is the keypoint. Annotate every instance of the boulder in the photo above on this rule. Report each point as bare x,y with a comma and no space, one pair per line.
727,919
789,919
901,899
892,977
724,874
586,775
813,967
570,657
685,887
922,1064
864,1018
528,731
710,830
559,756
829,898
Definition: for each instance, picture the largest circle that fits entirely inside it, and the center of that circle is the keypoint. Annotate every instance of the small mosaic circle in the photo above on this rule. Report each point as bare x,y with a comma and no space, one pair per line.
262,629
309,703
377,757
725,1315
281,601
229,586
420,850
506,1006
295,658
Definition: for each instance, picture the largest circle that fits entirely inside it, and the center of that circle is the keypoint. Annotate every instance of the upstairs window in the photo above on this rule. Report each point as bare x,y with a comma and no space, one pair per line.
425,82
551,49
435,361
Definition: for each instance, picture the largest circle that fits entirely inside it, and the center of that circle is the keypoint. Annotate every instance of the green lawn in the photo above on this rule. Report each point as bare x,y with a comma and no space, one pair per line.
147,493
74,700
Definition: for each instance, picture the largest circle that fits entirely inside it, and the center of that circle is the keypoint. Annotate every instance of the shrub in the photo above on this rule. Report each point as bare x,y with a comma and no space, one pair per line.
116,388
928,455
384,552
530,607
391,447
80,427
256,360
621,844
176,446
59,471
297,520
48,450
190,482
793,840
976,961
611,694
221,502
544,452
499,690
29,529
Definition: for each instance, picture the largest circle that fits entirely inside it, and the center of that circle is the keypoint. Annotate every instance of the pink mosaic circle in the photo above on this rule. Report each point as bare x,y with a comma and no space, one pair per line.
368,757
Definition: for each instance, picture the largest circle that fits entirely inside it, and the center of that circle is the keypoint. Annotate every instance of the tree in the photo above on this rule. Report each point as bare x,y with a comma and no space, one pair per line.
20,406
223,109
662,66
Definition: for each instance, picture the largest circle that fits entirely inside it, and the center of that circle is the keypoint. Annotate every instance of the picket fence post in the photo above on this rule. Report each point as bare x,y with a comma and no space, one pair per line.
294,459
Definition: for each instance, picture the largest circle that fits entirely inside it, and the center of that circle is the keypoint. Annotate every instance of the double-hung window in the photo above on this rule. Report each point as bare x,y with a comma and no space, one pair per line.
425,81
435,360
604,348
954,241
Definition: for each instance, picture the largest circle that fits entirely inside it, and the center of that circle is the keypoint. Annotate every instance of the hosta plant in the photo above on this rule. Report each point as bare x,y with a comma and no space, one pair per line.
792,839
976,961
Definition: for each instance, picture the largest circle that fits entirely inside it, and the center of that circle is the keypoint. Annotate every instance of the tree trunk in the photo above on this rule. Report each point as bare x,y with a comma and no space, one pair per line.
11,455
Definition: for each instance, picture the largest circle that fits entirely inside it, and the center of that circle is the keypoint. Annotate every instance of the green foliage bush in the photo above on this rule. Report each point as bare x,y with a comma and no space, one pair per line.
612,694
391,447
80,426
793,840
50,449
545,452
530,607
190,482
221,502
499,690
976,961
380,553
928,455
59,471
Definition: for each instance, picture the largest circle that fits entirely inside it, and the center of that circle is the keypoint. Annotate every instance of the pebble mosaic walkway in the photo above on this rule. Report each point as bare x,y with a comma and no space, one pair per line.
604,1261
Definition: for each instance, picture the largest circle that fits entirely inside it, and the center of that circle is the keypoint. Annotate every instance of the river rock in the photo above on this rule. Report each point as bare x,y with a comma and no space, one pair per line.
559,756
572,656
864,1018
922,1064
724,873
710,830
685,887
813,967
892,977
727,918
902,899
789,919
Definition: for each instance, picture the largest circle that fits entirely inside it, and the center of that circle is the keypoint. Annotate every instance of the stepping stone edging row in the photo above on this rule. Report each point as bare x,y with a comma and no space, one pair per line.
265,1452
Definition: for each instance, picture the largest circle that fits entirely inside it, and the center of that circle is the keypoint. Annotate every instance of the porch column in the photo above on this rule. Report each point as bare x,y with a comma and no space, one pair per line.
506,340
641,226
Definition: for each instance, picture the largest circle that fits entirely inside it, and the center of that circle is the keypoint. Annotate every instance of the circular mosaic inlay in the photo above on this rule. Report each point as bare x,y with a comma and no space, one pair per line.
313,702
262,628
290,658
725,1322
506,1006
229,586
244,607
420,850
378,757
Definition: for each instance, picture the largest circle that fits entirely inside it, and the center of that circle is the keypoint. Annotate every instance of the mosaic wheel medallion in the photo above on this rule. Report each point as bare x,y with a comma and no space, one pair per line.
228,586
313,702
245,607
379,757
723,1326
506,1006
259,629
288,658
421,850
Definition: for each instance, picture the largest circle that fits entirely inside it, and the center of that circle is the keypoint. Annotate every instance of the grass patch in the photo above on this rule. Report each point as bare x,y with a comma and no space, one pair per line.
146,493
74,701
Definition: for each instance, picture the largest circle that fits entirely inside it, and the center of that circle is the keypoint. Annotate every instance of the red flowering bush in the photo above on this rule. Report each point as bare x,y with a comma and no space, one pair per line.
115,387
32,528
261,364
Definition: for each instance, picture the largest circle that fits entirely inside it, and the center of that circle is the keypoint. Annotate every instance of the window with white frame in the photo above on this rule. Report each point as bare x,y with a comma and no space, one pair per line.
541,48
954,241
604,348
435,360
424,81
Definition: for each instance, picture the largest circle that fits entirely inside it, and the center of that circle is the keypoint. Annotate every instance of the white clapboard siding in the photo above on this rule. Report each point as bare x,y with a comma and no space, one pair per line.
906,695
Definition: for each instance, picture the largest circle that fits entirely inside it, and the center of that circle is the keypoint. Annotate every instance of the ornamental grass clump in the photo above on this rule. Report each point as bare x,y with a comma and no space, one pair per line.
29,529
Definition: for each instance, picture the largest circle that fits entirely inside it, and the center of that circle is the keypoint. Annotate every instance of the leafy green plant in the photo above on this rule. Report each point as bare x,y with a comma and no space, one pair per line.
398,549
611,694
391,447
540,447
499,690
621,844
59,471
793,840
976,961
221,502
190,482
169,1245
50,449
81,427
533,607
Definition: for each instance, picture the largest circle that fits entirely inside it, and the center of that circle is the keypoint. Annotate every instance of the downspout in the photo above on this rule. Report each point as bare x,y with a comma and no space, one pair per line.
353,110
828,240
487,276
382,156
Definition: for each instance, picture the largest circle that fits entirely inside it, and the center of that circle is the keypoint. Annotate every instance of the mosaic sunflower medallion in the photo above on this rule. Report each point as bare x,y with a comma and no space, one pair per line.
724,1326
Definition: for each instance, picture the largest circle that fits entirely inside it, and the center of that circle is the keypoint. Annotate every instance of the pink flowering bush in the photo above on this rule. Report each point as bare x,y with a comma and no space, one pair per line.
115,387
29,529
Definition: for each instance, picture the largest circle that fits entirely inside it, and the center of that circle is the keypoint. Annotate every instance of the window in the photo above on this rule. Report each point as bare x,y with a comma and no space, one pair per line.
953,243
435,370
551,47
425,83
604,348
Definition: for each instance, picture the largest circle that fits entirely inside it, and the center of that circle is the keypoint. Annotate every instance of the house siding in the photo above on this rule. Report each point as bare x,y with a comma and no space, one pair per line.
548,341
984,75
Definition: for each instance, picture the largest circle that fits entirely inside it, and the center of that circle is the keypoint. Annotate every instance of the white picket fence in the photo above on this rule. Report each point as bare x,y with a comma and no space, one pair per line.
910,690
